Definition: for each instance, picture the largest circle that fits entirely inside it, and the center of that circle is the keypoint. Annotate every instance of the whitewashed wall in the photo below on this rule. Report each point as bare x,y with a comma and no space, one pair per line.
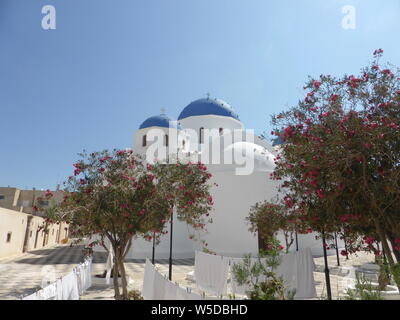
14,222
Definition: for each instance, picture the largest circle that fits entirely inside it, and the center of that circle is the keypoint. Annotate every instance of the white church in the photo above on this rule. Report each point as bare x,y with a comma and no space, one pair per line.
241,174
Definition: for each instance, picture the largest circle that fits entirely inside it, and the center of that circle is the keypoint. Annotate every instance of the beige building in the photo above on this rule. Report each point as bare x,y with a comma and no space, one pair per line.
21,229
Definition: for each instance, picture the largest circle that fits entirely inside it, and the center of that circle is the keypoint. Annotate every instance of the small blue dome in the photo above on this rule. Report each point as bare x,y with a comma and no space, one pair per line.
208,106
277,141
160,121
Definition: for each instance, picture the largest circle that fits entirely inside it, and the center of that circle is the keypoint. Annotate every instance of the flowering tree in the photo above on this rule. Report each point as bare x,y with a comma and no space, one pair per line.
115,196
341,157
268,219
185,188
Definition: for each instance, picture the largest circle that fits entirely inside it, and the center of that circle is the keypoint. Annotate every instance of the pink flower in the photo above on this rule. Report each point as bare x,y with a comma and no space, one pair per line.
105,158
288,132
333,97
77,165
317,84
48,193
320,194
379,51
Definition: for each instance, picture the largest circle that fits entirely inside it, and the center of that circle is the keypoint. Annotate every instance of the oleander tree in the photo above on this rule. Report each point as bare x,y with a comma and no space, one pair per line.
186,189
268,218
116,197
340,163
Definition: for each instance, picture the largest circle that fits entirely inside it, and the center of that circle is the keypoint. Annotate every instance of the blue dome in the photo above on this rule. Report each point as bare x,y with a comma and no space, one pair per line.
160,121
277,141
208,106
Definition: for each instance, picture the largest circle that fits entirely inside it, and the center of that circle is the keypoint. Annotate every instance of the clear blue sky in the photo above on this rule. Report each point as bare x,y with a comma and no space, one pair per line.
111,64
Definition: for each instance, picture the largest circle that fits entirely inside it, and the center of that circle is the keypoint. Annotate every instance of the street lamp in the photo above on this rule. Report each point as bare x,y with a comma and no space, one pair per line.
154,248
170,244
337,250
327,278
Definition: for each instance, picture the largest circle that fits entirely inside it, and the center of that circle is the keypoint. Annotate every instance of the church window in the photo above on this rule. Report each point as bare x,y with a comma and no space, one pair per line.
221,131
166,140
144,141
201,137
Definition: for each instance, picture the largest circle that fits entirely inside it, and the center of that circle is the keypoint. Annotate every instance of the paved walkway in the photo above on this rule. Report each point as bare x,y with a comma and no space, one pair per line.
22,275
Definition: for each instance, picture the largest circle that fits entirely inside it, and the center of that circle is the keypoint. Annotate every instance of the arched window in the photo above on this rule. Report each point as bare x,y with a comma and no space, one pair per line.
221,131
166,140
144,141
201,136
183,144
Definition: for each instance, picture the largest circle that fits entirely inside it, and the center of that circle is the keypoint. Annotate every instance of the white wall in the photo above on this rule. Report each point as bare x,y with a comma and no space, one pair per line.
207,122
183,247
309,241
229,233
14,222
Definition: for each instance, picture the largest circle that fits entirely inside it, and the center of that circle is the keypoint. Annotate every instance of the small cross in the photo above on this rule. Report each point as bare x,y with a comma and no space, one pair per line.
208,95
162,110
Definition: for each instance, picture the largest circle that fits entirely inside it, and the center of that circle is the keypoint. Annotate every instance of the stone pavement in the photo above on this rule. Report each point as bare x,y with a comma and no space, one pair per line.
22,275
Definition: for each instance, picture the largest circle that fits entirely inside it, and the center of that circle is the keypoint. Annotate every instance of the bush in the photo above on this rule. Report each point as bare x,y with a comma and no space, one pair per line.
135,295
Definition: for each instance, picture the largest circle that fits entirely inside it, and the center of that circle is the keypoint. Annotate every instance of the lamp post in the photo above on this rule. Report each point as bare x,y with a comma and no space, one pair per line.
327,278
345,247
170,244
154,248
337,250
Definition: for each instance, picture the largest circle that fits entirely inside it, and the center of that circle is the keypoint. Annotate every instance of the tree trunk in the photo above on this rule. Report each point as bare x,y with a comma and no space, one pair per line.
115,280
395,252
388,253
123,279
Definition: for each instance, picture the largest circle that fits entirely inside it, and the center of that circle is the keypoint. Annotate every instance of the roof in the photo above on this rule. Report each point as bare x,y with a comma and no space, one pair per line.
208,107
